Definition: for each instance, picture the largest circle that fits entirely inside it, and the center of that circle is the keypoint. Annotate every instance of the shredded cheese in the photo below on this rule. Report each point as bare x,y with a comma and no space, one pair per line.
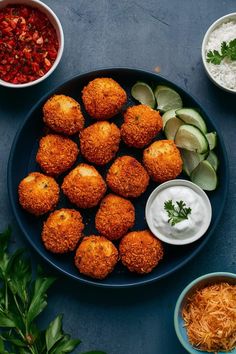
210,318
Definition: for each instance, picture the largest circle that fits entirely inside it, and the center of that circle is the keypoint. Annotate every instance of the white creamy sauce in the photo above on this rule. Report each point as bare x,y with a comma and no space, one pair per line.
225,72
185,228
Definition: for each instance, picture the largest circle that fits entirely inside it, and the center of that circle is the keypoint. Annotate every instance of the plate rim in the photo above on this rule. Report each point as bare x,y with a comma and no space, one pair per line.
140,282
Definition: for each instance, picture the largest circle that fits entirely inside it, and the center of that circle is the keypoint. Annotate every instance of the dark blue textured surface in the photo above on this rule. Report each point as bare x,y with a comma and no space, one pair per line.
140,34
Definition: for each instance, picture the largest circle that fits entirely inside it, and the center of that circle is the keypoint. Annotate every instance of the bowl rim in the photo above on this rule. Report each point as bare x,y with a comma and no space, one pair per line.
213,26
60,36
193,187
181,297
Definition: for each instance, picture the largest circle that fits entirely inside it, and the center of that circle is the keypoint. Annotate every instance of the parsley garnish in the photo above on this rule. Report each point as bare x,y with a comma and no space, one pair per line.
176,213
228,50
22,299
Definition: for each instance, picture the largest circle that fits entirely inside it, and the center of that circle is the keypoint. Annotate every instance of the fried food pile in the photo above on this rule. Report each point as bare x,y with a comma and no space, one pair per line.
100,179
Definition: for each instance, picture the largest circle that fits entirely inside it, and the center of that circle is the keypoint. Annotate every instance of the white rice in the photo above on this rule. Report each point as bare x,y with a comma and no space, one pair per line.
225,72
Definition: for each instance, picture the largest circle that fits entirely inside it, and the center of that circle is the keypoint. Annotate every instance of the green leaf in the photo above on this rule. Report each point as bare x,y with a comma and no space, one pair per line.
2,298
232,49
177,213
20,274
23,351
2,348
21,301
214,57
6,321
4,258
54,332
38,302
228,50
65,345
4,240
224,48
3,266
11,338
39,338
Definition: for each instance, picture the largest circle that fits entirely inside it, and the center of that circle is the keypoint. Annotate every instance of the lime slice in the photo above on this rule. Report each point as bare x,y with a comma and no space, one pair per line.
213,159
191,138
167,98
191,160
168,115
191,116
144,94
171,127
212,139
204,175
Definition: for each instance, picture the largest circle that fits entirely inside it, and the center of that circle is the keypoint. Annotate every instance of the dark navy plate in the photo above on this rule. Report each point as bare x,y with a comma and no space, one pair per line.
22,161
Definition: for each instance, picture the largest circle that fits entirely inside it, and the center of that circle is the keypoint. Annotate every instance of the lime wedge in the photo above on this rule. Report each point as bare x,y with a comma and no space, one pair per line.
143,93
171,127
213,159
191,116
191,160
212,139
204,176
191,138
167,98
168,115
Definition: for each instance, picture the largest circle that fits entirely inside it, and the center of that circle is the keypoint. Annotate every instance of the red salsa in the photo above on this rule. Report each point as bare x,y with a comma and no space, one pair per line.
28,44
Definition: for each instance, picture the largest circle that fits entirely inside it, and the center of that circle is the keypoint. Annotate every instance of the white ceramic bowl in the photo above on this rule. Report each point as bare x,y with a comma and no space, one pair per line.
158,231
190,289
217,23
59,31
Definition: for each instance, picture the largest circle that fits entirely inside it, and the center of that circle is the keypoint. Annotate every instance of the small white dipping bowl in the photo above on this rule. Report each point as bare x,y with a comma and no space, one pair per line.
164,236
197,284
217,23
59,31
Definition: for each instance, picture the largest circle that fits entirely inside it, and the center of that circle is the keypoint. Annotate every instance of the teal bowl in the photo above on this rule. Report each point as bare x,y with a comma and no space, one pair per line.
199,283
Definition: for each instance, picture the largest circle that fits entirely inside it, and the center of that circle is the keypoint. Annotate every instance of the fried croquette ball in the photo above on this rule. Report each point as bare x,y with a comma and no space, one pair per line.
56,154
103,98
115,217
100,142
141,125
62,230
63,115
96,257
38,193
140,251
127,177
162,160
84,186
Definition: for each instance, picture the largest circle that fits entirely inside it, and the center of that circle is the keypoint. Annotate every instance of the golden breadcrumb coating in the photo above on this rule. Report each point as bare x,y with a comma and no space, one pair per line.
103,98
63,115
162,160
84,186
38,193
56,154
100,142
141,125
127,177
96,257
62,230
115,217
140,251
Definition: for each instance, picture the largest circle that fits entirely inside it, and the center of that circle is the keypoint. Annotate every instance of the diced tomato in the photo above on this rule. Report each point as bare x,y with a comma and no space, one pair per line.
28,44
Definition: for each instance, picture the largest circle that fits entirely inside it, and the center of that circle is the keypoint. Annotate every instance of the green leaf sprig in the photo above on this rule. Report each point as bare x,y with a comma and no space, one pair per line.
228,50
22,299
176,213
